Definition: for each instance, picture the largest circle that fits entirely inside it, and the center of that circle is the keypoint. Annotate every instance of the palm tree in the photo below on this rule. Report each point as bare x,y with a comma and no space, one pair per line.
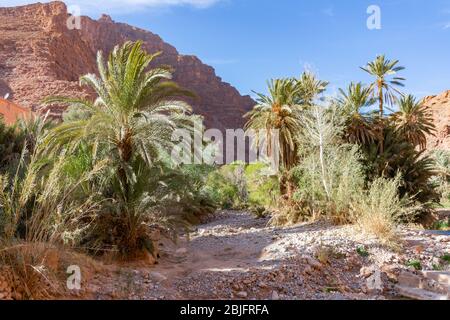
278,112
414,121
133,117
384,87
310,88
131,124
278,115
358,126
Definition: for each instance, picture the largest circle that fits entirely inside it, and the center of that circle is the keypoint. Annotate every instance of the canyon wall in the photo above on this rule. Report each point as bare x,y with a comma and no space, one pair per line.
41,56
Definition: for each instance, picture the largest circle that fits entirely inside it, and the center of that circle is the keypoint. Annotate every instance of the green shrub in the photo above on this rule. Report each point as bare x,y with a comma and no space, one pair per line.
416,264
343,176
399,156
12,141
330,175
239,186
446,258
222,190
362,251
262,185
442,178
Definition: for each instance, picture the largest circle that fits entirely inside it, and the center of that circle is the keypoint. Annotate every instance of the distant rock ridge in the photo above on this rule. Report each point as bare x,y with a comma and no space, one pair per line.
41,56
440,108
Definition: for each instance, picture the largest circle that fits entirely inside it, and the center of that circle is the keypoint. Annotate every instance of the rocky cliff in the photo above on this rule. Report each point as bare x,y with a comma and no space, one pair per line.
41,56
440,107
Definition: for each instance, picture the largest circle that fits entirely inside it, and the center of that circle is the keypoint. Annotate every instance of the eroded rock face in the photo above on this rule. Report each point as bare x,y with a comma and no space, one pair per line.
440,107
41,56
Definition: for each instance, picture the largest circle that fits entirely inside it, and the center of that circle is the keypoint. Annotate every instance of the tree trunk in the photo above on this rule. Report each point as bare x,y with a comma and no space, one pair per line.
287,187
125,148
283,185
380,97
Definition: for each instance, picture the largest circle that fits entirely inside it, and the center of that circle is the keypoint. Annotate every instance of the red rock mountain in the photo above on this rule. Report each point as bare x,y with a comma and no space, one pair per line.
41,56
440,108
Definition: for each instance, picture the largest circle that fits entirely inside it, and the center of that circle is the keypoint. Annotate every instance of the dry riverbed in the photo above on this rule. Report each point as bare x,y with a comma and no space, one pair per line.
236,256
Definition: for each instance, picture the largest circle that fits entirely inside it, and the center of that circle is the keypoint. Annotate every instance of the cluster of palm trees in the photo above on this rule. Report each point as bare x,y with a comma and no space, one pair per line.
281,110
412,120
288,99
128,130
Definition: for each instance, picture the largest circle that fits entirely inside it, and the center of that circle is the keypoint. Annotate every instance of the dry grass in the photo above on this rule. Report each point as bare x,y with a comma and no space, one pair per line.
31,270
379,210
44,203
38,271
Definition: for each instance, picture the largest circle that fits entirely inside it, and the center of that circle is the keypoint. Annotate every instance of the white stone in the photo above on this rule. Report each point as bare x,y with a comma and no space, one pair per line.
156,276
275,296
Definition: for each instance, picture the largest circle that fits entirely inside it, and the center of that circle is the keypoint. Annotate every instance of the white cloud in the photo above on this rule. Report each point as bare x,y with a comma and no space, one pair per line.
120,6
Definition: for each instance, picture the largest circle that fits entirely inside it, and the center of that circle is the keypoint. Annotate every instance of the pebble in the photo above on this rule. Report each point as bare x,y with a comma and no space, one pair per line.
366,272
242,294
181,251
156,276
275,296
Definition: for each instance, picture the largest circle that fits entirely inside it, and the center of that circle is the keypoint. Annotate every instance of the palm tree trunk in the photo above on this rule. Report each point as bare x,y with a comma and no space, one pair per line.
283,184
125,154
380,97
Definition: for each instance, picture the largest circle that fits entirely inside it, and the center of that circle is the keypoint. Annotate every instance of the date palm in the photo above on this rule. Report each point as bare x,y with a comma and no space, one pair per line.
133,117
277,116
386,82
310,88
358,126
278,112
414,121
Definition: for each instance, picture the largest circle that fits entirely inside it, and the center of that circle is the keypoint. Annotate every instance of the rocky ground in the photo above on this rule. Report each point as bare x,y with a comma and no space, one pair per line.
236,256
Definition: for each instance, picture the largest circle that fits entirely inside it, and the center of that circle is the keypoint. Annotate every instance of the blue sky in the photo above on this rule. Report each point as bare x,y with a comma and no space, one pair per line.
250,41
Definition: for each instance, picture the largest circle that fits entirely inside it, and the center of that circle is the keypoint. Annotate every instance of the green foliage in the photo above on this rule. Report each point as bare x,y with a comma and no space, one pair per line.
240,185
399,156
129,125
227,186
278,111
38,203
441,225
281,112
262,185
330,175
359,126
362,251
414,121
416,264
436,267
386,80
11,145
442,177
